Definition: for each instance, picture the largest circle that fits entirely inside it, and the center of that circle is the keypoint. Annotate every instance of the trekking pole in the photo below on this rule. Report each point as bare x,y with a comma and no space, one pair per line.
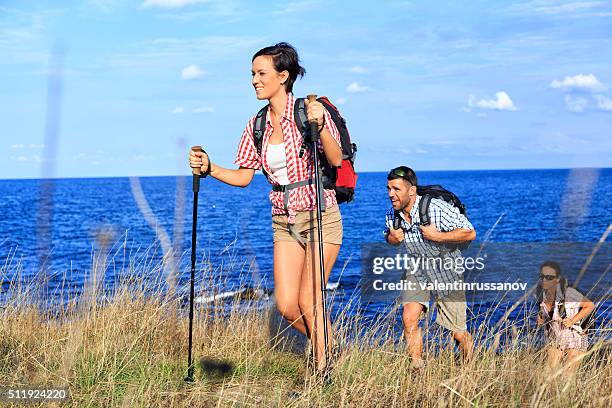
314,132
196,189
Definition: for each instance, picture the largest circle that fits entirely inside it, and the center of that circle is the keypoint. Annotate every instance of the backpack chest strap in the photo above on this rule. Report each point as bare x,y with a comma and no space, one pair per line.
285,189
291,186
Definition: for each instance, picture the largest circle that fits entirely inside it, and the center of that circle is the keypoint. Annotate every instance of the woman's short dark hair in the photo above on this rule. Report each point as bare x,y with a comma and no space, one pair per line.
553,265
285,58
403,172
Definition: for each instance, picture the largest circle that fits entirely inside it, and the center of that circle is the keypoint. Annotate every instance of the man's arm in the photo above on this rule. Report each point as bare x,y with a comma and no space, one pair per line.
394,236
454,227
431,233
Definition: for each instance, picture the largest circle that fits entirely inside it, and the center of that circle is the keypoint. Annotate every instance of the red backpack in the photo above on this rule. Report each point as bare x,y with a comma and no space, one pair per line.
342,179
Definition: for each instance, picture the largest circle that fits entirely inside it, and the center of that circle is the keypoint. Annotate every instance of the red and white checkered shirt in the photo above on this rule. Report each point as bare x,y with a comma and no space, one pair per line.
298,169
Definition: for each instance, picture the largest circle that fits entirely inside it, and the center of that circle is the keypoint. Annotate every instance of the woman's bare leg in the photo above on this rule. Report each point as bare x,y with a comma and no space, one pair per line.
288,265
554,358
310,297
574,359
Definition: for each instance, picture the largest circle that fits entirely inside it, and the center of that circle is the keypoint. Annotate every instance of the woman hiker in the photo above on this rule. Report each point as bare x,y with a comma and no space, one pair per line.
297,282
562,309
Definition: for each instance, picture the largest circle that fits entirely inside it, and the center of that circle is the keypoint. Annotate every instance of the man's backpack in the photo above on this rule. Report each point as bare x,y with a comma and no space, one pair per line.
341,179
437,191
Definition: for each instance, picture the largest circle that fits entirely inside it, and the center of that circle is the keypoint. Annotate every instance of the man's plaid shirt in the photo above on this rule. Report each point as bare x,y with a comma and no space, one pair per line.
445,218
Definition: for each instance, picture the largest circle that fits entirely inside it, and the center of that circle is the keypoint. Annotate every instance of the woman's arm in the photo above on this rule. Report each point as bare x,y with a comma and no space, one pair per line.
332,150
586,307
331,147
240,177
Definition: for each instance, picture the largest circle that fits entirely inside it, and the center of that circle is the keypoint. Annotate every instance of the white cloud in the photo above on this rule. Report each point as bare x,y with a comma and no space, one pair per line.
603,103
178,109
17,146
340,101
355,87
219,11
105,6
152,54
23,33
36,146
170,4
299,7
576,105
572,7
192,72
141,157
357,69
502,102
203,109
559,7
579,82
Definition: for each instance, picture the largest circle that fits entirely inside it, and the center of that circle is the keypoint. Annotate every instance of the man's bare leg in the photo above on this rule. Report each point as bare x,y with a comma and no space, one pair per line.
414,338
466,344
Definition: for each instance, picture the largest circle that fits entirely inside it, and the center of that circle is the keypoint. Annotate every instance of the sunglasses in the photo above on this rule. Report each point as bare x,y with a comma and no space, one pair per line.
547,277
403,172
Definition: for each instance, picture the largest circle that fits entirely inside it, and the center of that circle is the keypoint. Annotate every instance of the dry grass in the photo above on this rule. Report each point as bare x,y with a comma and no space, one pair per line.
130,349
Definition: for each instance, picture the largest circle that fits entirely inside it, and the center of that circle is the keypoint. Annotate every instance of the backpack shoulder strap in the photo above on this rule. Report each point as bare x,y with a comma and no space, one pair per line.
299,114
259,127
564,285
562,310
424,209
301,120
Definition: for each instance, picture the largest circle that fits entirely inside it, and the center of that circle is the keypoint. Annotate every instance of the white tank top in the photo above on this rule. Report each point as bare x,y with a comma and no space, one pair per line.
277,161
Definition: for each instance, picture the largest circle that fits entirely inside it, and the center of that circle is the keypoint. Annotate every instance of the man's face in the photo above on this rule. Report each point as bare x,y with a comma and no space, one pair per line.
401,193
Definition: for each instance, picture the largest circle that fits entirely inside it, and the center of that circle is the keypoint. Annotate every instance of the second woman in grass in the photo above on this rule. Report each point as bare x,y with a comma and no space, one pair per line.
562,311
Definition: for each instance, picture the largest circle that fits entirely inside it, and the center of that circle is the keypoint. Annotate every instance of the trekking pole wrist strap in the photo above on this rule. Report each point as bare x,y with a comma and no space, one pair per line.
322,125
207,172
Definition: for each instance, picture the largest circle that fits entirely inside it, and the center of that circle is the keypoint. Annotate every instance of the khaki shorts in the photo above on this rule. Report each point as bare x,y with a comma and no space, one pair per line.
306,226
451,308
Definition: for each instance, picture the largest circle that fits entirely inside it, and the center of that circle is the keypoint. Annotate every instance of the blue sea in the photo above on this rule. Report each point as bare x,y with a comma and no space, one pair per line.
507,207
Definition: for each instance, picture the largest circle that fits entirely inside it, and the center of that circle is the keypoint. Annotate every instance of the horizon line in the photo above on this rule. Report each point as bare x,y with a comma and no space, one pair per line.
359,172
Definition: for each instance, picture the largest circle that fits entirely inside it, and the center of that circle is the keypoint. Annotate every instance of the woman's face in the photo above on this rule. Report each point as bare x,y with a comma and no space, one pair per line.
266,80
546,273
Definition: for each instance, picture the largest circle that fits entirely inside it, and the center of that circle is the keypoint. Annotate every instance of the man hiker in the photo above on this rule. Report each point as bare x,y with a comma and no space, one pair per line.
436,241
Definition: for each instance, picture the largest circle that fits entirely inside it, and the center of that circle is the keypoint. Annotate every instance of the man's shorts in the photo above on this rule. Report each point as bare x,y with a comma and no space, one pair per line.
306,226
451,308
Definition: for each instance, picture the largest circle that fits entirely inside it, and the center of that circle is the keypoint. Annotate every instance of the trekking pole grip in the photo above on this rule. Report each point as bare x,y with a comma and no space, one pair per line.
314,127
196,171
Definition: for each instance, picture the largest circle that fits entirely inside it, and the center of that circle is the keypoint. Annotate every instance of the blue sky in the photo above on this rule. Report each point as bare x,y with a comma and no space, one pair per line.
434,85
